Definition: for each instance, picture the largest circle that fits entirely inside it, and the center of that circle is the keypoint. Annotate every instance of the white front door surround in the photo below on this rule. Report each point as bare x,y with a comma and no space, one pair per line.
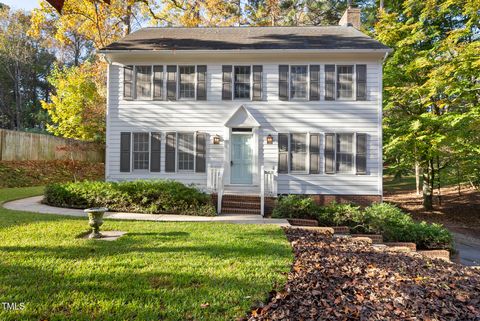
242,146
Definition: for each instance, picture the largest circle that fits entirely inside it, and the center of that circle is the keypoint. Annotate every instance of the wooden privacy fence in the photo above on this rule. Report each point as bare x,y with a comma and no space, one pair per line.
23,146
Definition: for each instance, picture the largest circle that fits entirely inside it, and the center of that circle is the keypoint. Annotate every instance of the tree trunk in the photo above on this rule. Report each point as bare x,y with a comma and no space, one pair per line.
417,177
428,181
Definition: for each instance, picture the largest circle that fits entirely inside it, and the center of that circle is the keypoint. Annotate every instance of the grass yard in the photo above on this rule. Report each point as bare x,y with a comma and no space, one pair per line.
158,271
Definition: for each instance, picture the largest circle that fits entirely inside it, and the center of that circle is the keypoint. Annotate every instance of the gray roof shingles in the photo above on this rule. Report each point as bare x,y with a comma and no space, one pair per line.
246,38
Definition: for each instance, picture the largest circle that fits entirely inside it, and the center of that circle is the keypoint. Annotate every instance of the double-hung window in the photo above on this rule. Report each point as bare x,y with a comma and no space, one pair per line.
143,78
344,161
298,82
186,151
298,147
345,82
186,80
241,82
140,152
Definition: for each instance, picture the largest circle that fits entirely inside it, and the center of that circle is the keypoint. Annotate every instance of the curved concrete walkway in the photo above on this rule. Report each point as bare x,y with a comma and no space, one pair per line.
33,204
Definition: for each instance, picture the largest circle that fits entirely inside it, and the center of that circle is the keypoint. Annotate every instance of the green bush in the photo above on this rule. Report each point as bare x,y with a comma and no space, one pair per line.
381,218
141,196
295,206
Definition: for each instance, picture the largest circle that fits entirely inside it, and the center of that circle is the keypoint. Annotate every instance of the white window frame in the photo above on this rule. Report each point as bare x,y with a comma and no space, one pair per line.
132,152
194,83
177,170
354,153
307,98
135,82
232,76
307,153
354,82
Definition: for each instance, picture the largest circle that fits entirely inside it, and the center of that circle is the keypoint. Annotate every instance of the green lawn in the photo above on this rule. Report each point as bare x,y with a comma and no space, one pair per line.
158,271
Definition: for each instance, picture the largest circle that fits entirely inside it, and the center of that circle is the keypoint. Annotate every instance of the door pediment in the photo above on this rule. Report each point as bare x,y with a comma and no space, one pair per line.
242,118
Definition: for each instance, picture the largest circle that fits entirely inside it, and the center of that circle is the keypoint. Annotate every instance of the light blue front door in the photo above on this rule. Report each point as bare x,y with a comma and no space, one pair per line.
241,159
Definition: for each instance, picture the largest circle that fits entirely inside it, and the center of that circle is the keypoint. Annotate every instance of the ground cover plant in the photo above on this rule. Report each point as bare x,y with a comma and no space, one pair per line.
382,218
36,173
158,271
340,279
141,196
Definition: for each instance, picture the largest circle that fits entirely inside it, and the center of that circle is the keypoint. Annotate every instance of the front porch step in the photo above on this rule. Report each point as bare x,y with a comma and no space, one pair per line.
241,198
241,205
230,210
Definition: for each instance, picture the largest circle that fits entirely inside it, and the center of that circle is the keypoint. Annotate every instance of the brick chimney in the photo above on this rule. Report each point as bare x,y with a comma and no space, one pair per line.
351,17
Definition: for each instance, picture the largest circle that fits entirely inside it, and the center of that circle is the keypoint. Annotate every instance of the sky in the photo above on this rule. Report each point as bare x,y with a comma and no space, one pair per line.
22,4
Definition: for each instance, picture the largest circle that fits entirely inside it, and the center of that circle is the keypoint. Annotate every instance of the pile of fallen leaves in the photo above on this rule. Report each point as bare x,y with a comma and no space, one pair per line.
341,279
34,173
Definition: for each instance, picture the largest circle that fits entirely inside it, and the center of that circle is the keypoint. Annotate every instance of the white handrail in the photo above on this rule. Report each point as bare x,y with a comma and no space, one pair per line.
268,186
215,184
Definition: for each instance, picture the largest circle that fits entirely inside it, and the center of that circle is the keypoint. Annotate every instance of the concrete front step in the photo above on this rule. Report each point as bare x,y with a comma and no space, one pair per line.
241,198
234,210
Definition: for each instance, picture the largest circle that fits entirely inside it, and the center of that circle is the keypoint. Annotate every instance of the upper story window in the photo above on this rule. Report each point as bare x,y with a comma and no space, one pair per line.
345,82
241,83
186,76
177,82
298,82
143,76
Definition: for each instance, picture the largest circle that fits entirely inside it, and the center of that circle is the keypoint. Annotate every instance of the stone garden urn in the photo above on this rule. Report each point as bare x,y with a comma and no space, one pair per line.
95,220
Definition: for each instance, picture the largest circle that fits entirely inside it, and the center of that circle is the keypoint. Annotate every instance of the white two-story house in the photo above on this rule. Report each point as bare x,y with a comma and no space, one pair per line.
249,111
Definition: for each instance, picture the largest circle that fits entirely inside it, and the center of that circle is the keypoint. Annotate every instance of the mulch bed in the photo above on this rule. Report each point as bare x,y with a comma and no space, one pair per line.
339,279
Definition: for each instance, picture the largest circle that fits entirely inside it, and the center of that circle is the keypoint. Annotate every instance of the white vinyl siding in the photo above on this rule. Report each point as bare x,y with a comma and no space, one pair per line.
274,116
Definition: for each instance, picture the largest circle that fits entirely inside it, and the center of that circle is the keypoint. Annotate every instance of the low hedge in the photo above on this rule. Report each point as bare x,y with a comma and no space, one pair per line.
381,218
141,196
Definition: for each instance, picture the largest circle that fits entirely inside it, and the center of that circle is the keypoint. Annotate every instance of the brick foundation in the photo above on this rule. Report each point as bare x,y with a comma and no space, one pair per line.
362,200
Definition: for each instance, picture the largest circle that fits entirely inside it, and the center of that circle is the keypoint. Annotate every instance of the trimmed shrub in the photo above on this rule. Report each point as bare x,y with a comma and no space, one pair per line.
379,218
295,206
141,196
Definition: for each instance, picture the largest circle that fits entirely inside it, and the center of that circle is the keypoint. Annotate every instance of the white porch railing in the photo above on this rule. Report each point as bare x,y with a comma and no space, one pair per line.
268,186
215,184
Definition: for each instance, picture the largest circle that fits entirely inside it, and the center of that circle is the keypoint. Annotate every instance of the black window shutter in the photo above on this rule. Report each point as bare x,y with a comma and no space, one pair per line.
283,153
202,82
283,82
329,82
200,153
361,157
125,140
171,82
155,145
361,82
128,82
330,153
158,82
315,82
227,82
257,82
314,153
170,147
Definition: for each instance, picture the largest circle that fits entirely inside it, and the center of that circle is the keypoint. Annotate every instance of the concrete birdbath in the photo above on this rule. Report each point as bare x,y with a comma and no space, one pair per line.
95,220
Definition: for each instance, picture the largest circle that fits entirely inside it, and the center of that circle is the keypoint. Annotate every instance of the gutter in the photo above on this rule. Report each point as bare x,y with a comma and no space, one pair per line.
240,51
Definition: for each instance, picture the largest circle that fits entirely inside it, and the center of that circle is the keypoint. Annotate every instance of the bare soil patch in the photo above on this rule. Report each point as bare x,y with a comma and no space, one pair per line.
458,212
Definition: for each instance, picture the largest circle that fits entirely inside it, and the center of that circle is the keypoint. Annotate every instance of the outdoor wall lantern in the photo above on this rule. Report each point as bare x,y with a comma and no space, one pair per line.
269,139
216,139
